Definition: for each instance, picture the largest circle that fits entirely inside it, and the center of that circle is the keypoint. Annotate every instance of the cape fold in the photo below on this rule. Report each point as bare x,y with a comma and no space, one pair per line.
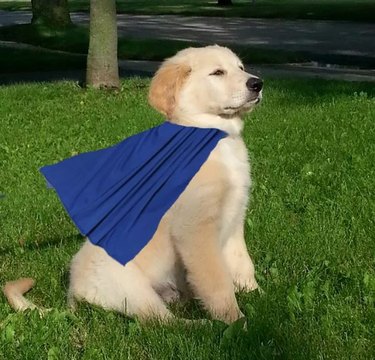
117,196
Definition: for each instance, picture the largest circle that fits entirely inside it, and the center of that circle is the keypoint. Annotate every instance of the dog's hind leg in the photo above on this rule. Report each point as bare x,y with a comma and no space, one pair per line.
98,279
143,301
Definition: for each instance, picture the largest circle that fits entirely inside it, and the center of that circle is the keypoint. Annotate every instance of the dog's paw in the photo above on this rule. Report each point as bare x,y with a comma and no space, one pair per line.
246,285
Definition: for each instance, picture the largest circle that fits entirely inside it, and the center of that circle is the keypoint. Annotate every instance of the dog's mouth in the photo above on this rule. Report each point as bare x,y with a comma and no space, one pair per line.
257,100
246,105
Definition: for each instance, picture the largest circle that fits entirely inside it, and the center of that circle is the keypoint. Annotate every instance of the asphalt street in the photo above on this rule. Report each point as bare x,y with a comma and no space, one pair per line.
327,37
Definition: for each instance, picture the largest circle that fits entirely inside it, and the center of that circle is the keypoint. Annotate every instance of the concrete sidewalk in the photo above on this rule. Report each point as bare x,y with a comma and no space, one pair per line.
323,37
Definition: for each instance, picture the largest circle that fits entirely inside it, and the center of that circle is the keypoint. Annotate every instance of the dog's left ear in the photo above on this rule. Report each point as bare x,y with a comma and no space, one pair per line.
166,85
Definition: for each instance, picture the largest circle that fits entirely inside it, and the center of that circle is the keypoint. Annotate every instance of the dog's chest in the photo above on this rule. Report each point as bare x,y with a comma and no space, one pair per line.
232,153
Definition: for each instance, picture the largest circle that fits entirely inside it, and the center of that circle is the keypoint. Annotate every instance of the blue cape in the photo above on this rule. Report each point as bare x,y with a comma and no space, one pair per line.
117,196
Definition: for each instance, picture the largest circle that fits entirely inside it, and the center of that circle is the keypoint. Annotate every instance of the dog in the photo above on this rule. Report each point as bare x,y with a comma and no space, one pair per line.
199,248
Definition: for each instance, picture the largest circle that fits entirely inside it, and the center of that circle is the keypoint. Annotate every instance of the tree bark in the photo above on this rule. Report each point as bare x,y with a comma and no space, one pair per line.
224,2
53,13
102,63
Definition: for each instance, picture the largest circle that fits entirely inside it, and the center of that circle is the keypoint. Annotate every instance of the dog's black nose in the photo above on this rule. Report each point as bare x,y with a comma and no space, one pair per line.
254,84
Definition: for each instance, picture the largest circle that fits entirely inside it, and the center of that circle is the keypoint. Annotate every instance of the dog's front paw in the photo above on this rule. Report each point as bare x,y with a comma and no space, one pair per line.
246,285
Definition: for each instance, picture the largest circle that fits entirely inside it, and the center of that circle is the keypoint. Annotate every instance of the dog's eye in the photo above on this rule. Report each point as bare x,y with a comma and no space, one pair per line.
218,72
241,67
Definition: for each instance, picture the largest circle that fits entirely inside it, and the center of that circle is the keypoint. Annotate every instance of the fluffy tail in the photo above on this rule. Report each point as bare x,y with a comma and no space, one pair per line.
14,290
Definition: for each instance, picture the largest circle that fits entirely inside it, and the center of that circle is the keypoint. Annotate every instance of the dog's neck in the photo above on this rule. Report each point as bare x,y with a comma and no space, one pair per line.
231,125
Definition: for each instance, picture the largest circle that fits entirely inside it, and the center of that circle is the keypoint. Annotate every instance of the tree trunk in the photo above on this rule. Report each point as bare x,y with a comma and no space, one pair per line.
102,64
224,2
53,13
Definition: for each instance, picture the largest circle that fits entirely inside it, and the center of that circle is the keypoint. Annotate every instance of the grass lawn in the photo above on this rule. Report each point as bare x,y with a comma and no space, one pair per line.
75,40
310,227
355,10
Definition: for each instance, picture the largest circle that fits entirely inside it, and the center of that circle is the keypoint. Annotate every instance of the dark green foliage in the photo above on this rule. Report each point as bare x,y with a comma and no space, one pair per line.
53,13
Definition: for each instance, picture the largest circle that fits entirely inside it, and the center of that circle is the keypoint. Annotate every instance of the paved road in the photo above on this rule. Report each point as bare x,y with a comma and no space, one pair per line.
327,37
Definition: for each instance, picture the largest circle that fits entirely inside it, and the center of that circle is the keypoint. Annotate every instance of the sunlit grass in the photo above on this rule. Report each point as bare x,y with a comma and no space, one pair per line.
310,227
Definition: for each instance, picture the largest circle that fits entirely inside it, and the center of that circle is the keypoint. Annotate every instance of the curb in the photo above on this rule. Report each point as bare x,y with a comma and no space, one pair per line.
130,68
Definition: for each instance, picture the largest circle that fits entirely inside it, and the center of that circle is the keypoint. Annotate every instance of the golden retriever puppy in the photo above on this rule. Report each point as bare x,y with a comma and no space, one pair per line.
199,246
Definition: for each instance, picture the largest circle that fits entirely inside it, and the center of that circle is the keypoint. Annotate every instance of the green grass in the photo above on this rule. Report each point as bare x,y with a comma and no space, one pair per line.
310,227
75,40
362,10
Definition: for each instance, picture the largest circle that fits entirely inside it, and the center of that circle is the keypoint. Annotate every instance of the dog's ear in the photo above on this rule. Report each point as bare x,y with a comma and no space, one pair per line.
165,86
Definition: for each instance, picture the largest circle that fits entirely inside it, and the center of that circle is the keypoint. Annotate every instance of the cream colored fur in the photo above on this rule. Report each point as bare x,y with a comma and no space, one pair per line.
199,248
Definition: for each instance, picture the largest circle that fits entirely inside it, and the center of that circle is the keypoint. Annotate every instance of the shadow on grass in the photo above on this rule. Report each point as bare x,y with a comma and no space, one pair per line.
47,243
77,75
52,76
